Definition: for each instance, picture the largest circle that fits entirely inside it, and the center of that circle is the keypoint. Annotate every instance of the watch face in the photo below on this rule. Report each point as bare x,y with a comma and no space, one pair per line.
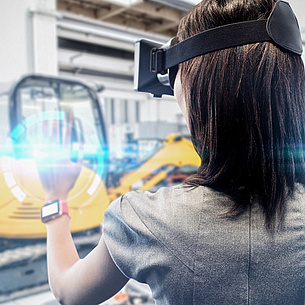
50,210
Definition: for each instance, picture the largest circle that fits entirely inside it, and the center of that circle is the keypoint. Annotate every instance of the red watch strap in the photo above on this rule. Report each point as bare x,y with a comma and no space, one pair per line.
64,207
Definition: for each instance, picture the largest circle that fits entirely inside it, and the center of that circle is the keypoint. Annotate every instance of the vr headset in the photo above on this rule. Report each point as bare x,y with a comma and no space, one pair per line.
156,65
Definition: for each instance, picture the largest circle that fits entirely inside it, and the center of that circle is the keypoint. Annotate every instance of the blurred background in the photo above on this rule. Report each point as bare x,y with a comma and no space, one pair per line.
75,58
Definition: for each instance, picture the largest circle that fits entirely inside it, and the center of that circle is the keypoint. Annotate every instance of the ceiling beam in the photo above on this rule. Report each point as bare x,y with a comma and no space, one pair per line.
113,11
138,14
75,8
128,22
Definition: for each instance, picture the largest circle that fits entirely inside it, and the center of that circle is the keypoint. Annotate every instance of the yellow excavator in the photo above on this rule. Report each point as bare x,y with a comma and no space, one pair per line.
28,107
176,152
35,99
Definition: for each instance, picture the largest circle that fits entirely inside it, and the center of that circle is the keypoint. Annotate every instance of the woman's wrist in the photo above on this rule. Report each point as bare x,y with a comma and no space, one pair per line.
63,220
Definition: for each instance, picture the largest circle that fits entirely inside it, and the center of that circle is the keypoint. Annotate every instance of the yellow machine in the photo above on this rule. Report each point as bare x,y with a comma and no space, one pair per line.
33,101
176,152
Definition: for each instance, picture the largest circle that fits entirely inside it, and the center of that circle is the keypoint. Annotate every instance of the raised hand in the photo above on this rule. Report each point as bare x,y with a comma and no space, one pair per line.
57,172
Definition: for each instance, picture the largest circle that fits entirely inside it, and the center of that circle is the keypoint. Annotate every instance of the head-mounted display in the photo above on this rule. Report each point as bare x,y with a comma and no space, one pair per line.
156,65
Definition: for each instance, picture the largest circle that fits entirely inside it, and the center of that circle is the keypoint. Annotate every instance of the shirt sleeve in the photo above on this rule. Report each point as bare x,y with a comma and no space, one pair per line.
130,243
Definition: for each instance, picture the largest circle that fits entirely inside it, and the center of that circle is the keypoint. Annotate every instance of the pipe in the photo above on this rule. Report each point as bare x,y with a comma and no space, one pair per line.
45,13
86,31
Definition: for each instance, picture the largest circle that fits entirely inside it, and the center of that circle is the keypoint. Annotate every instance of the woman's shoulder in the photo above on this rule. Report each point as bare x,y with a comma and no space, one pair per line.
175,201
176,208
173,195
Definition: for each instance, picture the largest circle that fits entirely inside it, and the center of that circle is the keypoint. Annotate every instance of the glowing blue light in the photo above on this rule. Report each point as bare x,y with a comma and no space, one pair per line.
18,132
29,141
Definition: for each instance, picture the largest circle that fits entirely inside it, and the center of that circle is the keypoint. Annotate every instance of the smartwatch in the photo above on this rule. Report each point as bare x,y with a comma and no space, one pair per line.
54,210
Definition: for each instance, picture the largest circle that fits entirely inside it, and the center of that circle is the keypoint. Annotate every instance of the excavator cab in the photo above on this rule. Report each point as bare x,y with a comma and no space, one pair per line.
34,103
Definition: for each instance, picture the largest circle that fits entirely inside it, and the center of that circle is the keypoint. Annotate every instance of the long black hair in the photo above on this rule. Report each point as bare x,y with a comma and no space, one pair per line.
246,111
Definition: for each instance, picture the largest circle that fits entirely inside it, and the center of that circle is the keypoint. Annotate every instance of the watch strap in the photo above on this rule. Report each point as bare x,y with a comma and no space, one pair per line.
62,209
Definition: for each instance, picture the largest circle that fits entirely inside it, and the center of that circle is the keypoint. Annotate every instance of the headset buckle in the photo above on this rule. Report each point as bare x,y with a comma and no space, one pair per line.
157,61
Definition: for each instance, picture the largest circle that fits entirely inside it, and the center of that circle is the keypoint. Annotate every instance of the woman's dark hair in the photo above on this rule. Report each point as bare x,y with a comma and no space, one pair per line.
246,111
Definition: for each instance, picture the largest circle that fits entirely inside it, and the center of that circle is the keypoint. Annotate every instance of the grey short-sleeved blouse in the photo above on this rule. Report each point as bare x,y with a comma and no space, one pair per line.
178,241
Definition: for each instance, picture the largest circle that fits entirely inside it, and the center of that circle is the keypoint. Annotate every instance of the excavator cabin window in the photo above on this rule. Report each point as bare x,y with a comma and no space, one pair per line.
37,103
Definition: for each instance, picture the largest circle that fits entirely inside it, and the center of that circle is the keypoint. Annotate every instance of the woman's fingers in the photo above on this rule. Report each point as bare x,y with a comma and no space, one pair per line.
58,174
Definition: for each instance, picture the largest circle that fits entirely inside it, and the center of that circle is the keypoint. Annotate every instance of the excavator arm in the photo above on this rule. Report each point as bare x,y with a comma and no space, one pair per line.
176,152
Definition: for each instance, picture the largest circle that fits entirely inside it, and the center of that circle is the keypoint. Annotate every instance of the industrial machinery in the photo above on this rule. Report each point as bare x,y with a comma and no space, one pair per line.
176,152
33,102
29,107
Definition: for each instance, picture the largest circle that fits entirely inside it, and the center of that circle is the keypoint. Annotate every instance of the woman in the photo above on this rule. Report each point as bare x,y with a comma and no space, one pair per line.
234,232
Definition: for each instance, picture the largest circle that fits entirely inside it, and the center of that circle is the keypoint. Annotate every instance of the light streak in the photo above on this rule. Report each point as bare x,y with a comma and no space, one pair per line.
9,179
18,193
96,182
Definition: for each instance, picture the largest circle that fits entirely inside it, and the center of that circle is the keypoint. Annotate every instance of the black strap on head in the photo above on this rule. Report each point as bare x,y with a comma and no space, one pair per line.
281,28
223,37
